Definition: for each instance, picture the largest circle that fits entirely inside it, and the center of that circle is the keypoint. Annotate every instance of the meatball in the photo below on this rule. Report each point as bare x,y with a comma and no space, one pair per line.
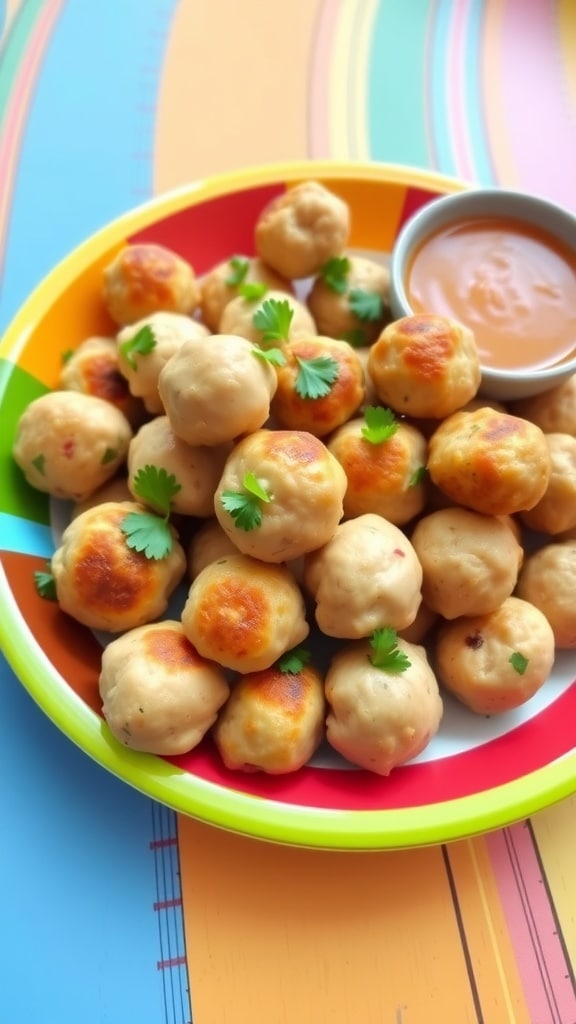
105,584
221,284
385,468
272,319
146,347
68,444
554,411
367,577
490,462
301,229
144,278
496,662
213,393
158,694
425,365
299,504
419,630
273,721
244,613
556,511
208,544
470,562
364,287
548,581
115,489
197,469
93,369
380,718
320,385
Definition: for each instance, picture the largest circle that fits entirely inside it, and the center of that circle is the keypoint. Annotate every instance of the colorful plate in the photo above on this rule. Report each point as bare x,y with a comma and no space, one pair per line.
477,774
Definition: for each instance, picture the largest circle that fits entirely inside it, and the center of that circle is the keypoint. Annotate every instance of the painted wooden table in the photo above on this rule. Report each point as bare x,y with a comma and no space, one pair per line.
112,908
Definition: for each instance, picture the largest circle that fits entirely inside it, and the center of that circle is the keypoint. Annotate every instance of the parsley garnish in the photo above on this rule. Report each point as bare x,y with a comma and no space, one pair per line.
270,355
145,531
356,337
67,356
109,455
418,476
273,318
387,654
366,305
245,506
143,342
335,272
294,661
316,376
39,463
239,267
45,583
519,662
381,424
252,290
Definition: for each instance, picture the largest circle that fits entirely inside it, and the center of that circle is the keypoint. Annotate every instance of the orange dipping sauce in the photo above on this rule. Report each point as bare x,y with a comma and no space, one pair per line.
513,285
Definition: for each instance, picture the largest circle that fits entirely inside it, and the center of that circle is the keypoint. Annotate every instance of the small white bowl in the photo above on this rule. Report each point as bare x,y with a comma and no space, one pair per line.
477,204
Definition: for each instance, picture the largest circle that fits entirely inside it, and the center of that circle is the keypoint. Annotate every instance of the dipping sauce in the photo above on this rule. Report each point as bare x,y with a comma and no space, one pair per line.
512,284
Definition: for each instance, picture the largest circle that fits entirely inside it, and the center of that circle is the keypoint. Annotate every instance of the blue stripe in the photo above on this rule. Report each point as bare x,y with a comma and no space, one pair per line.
25,536
443,153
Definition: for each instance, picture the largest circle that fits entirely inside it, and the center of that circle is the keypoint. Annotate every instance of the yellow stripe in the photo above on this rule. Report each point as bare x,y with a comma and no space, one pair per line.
492,956
555,834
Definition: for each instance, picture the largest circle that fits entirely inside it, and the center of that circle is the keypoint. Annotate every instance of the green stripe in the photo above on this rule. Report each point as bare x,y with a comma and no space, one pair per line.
17,390
13,47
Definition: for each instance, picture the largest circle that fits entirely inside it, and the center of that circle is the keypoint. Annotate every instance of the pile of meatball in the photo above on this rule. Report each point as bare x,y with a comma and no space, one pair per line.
394,504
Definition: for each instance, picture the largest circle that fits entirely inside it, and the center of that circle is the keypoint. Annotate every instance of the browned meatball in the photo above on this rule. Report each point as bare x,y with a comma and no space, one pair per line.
145,278
320,385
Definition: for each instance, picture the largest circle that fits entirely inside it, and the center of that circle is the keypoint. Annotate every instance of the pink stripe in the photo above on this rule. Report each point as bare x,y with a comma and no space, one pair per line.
455,86
538,116
540,957
319,99
16,112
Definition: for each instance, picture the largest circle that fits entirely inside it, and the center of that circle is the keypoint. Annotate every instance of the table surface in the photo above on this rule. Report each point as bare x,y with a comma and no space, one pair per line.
113,909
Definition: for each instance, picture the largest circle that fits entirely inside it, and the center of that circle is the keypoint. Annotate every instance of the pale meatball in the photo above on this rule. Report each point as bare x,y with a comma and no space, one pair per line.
316,364
490,462
379,719
158,694
302,486
556,510
115,489
105,584
221,285
554,411
146,346
548,581
197,469
68,444
388,476
243,613
144,278
213,393
93,369
301,229
273,721
208,544
364,287
425,365
268,321
496,662
470,562
367,577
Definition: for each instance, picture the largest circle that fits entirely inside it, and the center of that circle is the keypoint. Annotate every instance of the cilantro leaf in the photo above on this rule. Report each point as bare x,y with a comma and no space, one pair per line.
147,533
143,342
366,305
273,318
156,487
45,583
418,476
519,662
239,267
335,272
252,290
387,654
316,376
270,355
245,506
356,337
39,463
294,661
67,356
381,424
109,455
